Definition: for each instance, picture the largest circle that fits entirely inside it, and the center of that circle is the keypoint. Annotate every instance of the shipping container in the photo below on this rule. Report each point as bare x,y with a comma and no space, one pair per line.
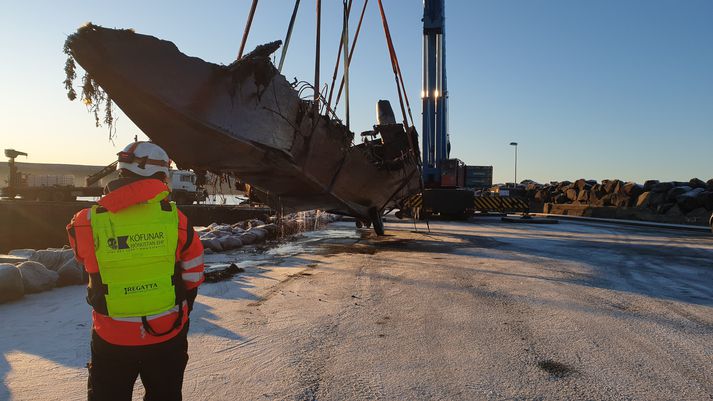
478,176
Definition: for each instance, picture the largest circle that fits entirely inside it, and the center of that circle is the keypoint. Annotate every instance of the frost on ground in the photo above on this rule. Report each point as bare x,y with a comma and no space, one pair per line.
469,311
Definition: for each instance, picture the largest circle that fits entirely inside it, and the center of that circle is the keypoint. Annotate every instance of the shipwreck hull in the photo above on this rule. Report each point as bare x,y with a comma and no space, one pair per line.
245,119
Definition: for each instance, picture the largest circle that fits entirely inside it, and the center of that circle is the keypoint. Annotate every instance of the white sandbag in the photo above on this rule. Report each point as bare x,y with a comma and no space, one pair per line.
36,277
248,238
208,235
23,253
52,259
12,259
254,223
272,230
240,225
260,234
213,244
67,255
221,233
11,286
222,227
230,242
49,258
70,273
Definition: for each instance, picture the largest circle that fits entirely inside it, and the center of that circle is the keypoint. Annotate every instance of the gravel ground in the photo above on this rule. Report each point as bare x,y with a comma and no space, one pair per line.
470,311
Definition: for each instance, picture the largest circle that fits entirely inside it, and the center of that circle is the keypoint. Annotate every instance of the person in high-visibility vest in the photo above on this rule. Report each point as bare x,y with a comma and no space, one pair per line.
145,264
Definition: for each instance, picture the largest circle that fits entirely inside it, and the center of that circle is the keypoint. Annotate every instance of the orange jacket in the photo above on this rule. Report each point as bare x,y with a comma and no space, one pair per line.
189,254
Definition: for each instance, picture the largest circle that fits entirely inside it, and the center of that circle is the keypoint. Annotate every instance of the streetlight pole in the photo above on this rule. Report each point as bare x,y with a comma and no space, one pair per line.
515,145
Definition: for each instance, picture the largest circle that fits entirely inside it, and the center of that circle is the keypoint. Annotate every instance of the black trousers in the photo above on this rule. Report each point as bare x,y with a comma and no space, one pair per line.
114,368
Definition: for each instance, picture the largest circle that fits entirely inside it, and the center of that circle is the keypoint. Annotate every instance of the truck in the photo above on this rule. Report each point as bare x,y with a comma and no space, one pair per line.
184,188
62,188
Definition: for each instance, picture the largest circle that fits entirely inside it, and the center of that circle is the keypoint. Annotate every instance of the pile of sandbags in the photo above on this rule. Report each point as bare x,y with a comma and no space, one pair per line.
227,237
673,198
38,271
28,271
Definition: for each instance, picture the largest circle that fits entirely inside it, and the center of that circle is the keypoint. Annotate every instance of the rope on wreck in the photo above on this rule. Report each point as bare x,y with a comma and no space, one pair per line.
288,36
397,70
248,24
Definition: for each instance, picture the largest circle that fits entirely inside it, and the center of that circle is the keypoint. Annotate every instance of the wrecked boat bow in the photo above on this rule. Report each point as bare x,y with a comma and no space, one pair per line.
246,119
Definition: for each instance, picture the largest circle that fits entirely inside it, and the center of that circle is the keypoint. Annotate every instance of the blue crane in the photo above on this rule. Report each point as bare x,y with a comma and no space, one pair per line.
443,178
434,92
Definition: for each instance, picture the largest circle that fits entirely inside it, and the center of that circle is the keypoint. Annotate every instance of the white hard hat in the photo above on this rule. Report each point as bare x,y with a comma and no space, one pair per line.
144,159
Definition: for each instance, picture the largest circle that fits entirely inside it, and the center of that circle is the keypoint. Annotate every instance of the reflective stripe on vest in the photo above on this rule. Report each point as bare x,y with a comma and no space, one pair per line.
136,253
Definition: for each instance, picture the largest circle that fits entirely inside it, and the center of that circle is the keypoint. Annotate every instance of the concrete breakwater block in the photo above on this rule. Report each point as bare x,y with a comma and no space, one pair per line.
677,202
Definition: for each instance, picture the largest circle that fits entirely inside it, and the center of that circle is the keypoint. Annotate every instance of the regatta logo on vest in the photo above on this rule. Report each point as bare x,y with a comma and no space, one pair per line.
137,241
137,289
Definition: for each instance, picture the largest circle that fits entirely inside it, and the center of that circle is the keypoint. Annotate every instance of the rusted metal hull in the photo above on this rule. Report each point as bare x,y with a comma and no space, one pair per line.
245,119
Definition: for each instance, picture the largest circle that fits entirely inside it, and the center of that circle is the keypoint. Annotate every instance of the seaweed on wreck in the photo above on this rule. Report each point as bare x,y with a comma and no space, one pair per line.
70,72
93,95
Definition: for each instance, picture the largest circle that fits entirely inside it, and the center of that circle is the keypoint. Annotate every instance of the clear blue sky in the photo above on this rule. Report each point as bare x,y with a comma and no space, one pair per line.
594,89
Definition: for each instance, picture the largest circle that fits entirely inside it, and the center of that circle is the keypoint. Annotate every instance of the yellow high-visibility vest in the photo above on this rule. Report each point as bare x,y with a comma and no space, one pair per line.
136,253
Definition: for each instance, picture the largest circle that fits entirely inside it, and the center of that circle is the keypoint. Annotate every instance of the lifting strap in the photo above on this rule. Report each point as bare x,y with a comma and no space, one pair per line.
345,39
248,24
316,58
351,51
397,70
288,36
339,55
399,87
